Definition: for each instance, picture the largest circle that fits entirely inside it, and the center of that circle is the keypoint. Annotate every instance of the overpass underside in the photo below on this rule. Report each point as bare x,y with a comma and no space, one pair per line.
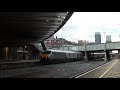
30,27
20,29
95,55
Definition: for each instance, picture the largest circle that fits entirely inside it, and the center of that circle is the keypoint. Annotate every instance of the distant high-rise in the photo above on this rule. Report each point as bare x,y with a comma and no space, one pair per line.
97,37
108,38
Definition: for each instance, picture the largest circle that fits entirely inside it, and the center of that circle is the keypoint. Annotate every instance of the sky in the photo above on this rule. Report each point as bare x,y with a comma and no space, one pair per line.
83,25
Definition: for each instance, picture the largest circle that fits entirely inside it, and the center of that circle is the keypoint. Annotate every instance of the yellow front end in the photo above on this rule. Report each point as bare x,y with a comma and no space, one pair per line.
44,56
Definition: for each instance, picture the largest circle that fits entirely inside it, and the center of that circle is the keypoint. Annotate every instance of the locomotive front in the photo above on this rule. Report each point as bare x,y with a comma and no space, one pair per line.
45,56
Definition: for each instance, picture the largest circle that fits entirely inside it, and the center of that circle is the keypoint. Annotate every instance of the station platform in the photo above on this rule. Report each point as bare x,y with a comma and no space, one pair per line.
18,64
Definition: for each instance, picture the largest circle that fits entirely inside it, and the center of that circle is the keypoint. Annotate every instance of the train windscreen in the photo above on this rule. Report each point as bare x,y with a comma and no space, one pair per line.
47,52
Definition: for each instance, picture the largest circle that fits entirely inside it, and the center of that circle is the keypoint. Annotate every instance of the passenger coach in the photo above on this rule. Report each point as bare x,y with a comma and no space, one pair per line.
57,56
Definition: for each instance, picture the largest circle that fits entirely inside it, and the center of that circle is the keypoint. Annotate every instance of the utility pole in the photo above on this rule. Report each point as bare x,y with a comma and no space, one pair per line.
85,57
118,29
119,37
119,40
104,44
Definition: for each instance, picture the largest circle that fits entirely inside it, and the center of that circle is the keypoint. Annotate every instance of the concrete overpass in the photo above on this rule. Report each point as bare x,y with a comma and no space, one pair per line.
93,47
98,47
89,49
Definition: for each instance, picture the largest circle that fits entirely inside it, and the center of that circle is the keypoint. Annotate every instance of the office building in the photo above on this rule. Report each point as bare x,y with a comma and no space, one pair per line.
97,37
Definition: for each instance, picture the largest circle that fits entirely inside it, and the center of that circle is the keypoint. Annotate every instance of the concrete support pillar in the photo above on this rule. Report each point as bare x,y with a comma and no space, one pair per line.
83,53
5,54
85,57
23,53
88,55
119,54
105,56
0,54
13,53
10,54
108,54
91,55
43,46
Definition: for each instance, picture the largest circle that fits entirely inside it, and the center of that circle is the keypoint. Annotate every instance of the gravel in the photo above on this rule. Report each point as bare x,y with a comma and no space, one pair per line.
62,70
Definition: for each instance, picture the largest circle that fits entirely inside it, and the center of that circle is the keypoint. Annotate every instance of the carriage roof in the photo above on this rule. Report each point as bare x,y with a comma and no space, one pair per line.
63,51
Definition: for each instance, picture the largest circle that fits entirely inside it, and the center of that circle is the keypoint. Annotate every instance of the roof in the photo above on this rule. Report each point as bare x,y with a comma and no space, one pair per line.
62,51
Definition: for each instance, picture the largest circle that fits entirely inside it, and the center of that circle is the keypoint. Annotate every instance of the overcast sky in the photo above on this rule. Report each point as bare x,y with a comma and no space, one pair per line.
83,25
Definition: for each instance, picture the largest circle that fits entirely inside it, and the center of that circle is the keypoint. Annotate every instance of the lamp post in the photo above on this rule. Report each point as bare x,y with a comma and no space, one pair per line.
119,36
85,57
104,45
105,49
118,29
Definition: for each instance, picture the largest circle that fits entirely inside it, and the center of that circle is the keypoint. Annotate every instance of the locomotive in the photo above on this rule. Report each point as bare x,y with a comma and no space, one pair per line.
58,56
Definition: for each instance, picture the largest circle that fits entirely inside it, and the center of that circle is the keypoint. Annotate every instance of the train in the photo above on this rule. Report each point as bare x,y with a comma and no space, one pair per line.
58,56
